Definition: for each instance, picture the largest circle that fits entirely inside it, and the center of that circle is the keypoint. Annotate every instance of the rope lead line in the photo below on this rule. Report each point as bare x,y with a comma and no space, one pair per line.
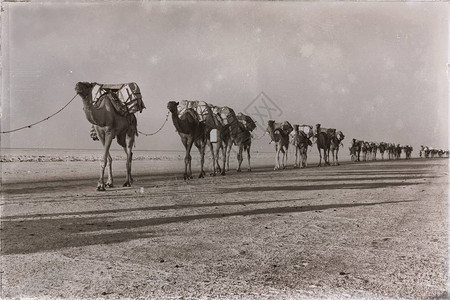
149,134
45,119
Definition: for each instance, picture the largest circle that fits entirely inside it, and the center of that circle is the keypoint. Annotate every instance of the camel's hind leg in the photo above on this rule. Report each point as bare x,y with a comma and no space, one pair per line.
296,157
277,157
229,146
211,147
201,148
240,157
109,183
187,159
320,156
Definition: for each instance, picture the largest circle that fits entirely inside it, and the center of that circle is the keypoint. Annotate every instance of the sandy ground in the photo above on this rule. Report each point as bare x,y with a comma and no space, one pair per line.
374,230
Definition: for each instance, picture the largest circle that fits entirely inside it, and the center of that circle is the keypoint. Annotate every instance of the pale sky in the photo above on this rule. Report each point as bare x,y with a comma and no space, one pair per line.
376,71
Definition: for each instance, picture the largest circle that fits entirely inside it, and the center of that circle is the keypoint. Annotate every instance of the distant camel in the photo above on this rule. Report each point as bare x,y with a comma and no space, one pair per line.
382,148
301,142
238,133
408,150
355,149
335,143
323,140
191,131
108,124
421,151
281,139
374,148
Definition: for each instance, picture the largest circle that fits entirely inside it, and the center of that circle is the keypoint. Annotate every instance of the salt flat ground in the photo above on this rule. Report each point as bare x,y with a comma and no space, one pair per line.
373,230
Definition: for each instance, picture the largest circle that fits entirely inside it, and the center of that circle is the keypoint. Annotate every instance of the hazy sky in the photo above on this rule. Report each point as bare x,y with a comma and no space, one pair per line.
376,71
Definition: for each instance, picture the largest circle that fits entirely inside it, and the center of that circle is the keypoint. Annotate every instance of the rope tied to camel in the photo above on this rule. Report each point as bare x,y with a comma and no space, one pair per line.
153,133
45,119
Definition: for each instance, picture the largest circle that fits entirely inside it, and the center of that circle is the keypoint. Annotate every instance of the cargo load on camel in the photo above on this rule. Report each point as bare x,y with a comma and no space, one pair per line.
247,121
125,97
223,115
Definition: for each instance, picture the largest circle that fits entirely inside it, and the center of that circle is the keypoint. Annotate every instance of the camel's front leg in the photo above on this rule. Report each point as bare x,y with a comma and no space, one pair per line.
108,137
224,158
304,155
187,160
219,146
211,147
337,159
285,157
128,150
248,157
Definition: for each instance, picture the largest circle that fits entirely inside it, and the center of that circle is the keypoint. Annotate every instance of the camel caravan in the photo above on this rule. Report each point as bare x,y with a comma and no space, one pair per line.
369,150
111,108
428,152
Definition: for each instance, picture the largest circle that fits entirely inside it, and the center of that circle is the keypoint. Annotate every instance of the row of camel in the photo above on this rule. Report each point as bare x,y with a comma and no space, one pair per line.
428,152
194,122
369,150
327,140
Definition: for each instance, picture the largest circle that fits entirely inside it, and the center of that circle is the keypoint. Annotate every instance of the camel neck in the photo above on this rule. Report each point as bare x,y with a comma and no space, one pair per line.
177,122
88,108
271,133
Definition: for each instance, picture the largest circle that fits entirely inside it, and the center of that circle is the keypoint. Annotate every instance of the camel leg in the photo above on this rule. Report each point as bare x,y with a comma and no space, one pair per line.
296,157
106,141
224,158
230,144
128,150
187,159
282,158
277,158
239,157
337,159
320,156
248,157
286,157
305,157
211,147
109,183
201,149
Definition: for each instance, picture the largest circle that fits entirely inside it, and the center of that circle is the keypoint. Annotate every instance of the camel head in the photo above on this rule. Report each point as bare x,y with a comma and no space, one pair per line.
270,125
172,106
84,88
340,136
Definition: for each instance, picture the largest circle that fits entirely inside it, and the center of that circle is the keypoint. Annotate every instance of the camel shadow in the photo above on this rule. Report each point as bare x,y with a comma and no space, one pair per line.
318,187
40,235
